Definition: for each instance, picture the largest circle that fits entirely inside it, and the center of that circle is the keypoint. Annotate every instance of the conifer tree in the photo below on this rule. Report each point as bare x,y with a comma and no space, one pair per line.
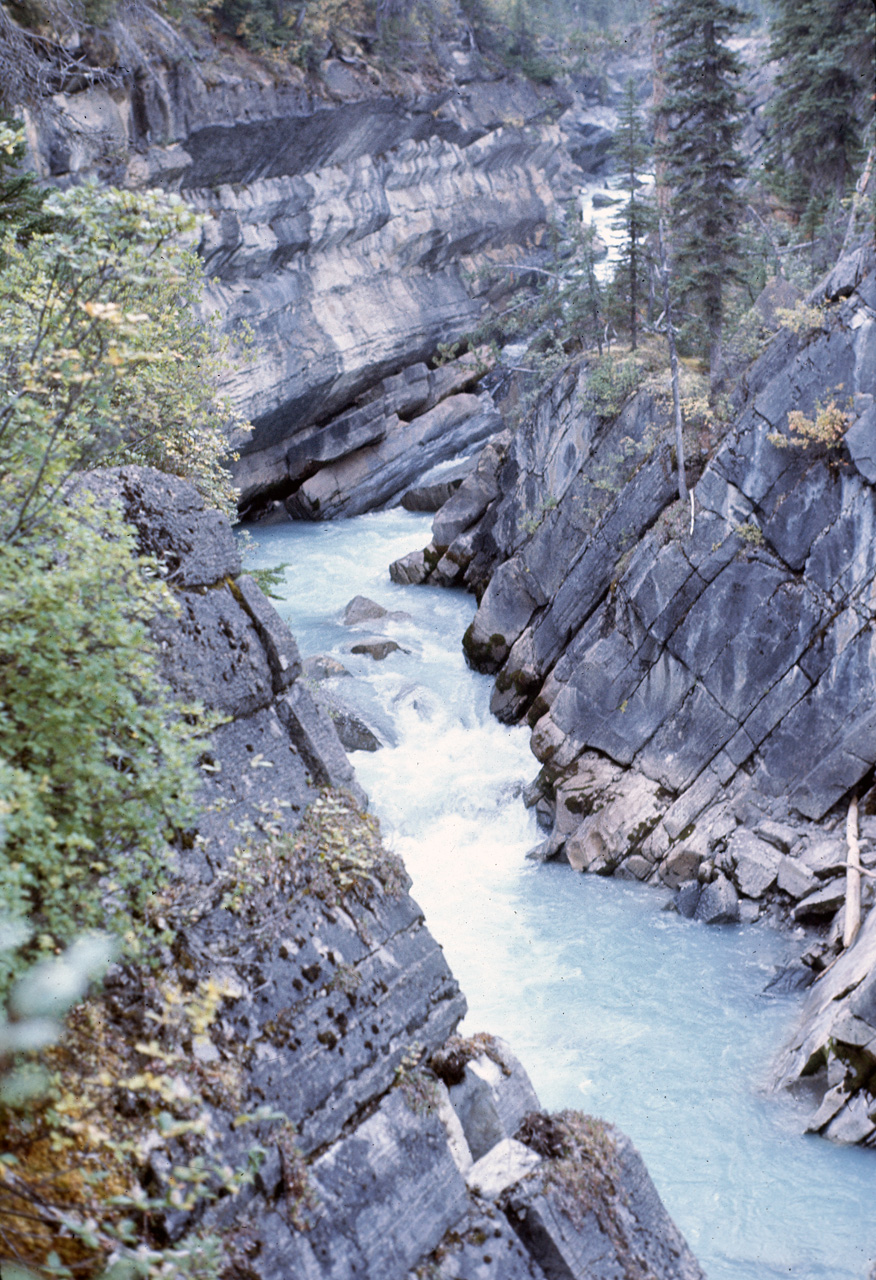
825,55
21,195
635,220
702,160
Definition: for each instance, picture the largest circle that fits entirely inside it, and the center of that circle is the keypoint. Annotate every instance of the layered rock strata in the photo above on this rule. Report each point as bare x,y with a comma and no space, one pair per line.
389,1146
701,694
345,217
832,1053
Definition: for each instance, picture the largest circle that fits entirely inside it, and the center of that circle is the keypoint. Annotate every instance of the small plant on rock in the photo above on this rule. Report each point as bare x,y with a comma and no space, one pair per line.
449,1062
801,318
301,1199
583,1171
610,383
336,855
416,1082
750,533
825,430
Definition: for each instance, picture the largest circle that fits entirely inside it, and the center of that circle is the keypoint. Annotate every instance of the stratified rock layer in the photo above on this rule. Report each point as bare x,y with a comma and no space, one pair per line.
701,683
343,226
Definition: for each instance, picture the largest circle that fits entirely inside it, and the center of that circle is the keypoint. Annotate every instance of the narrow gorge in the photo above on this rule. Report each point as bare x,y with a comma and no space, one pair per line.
489,620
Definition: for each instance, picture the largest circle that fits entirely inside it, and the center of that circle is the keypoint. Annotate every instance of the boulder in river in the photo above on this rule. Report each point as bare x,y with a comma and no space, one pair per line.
718,903
361,609
378,649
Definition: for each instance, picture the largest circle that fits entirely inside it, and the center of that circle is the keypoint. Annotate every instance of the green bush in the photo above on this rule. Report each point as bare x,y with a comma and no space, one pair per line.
95,763
610,383
102,356
102,359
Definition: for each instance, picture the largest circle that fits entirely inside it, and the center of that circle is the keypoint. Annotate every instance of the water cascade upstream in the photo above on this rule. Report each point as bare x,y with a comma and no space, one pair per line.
615,1006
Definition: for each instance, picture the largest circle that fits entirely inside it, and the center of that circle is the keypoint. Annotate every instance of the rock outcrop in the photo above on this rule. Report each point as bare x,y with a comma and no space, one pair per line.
345,217
832,1054
701,695
388,1147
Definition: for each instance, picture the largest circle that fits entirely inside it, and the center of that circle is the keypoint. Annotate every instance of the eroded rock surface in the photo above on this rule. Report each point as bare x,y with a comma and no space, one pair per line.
335,1011
345,218
702,699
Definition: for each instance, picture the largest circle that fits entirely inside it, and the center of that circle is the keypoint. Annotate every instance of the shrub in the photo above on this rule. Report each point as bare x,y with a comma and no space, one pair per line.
610,383
102,356
825,430
95,762
101,359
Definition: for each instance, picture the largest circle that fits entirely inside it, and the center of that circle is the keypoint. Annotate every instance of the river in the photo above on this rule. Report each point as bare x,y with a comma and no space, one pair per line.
614,1005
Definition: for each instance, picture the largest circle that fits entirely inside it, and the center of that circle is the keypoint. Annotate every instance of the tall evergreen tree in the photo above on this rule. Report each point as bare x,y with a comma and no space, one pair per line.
825,51
701,156
635,219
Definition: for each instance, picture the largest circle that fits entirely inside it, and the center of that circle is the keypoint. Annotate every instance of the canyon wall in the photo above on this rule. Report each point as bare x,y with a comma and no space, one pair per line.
346,213
390,1146
701,681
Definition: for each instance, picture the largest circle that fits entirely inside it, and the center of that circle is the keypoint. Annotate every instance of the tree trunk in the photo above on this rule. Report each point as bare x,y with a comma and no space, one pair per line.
860,191
853,876
673,364
634,283
661,121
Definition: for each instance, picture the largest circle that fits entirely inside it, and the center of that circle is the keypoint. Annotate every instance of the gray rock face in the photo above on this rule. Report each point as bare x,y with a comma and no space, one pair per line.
484,1246
332,991
604,1238
341,223
193,544
492,1099
379,473
834,1044
729,682
430,494
718,903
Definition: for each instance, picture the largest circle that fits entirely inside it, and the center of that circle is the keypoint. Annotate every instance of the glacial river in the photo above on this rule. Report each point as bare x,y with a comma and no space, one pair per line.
614,1005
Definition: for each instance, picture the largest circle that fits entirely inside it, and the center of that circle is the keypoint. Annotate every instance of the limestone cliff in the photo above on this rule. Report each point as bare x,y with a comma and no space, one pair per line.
346,213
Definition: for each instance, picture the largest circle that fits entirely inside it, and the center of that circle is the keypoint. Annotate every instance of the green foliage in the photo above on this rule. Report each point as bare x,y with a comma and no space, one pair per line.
610,383
74,1195
701,157
102,357
21,196
750,533
635,219
269,579
39,1000
101,360
825,51
94,759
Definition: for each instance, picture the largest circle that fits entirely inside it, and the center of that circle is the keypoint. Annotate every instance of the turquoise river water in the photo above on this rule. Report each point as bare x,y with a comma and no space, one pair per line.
614,1005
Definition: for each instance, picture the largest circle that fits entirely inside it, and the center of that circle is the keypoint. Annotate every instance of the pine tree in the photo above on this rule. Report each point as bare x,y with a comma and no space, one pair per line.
703,163
21,195
825,52
636,219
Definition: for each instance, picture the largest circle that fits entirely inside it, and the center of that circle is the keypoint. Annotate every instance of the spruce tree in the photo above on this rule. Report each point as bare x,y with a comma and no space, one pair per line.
21,195
825,55
702,161
635,219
